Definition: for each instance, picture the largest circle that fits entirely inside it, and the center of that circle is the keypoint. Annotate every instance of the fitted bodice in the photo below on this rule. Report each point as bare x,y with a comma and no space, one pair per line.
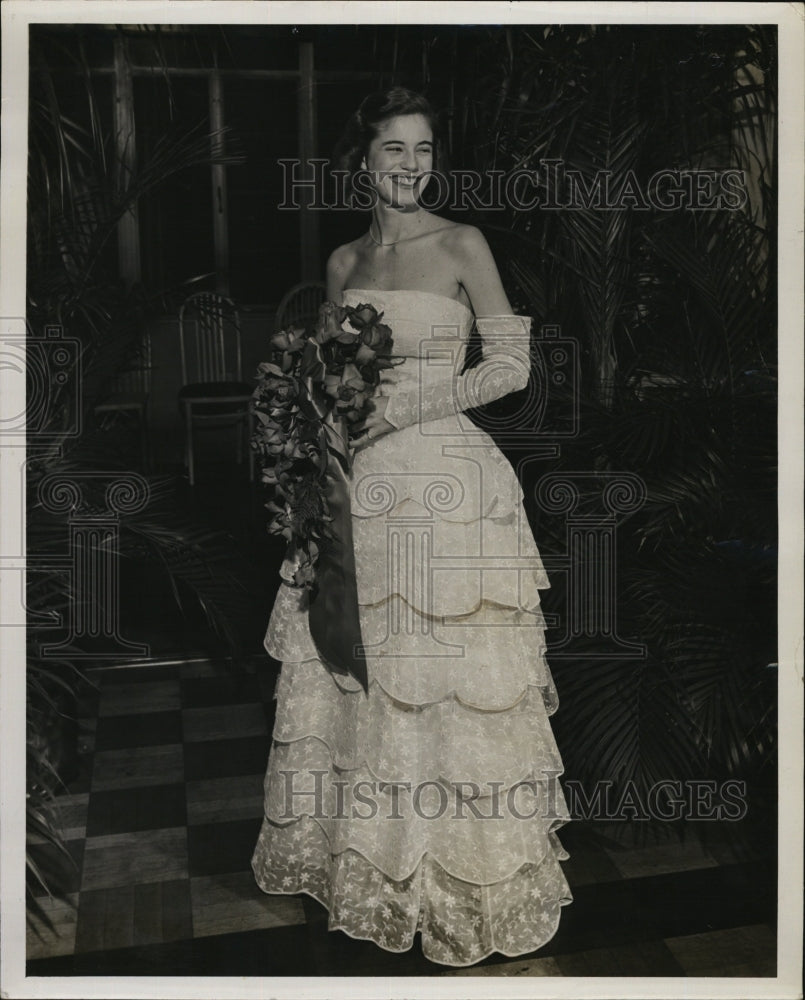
421,322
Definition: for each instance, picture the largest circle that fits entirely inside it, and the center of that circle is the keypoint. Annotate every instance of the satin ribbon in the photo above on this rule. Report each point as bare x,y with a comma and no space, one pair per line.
333,613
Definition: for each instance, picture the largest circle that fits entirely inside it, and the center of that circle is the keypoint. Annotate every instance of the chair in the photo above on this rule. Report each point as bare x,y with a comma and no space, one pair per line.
213,393
300,305
131,393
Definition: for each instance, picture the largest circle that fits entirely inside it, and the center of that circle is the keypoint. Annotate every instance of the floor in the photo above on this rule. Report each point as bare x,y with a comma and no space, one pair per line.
163,813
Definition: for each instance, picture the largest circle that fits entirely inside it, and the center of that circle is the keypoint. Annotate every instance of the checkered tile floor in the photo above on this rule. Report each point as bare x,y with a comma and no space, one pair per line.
162,821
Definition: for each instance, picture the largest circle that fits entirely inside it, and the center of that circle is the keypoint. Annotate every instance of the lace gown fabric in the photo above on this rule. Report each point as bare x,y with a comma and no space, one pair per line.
432,804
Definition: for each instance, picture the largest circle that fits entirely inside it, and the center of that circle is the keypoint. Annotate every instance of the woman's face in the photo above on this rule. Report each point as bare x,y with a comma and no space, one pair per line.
400,158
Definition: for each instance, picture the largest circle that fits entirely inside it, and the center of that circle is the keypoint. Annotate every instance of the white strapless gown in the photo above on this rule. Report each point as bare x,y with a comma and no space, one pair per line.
432,804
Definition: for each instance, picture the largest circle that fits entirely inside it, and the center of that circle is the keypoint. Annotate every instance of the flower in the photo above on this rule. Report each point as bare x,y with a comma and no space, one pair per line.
364,355
308,506
350,391
270,437
364,315
351,379
329,322
280,523
286,344
299,565
275,388
377,335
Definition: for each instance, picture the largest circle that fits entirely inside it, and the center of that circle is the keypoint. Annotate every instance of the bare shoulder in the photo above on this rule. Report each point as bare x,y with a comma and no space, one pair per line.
465,241
475,270
340,264
466,247
343,258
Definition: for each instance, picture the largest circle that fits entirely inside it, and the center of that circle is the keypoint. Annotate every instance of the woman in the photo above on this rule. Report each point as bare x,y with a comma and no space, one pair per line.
430,803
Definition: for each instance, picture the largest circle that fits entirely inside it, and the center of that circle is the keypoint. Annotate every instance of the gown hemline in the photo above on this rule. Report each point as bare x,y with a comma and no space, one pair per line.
336,926
402,951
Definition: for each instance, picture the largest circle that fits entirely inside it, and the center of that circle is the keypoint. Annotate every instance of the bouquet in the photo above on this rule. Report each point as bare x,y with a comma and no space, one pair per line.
308,398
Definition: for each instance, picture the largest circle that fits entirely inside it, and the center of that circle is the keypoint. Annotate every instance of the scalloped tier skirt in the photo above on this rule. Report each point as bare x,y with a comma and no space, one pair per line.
431,804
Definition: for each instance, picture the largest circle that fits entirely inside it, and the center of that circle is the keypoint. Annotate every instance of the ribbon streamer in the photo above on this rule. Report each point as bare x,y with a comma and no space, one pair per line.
333,613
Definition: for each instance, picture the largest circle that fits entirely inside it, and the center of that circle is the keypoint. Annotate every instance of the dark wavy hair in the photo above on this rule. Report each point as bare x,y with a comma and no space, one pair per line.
376,109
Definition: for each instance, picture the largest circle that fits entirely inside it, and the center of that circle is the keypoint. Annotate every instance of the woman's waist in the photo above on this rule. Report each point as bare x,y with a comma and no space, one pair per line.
420,371
458,476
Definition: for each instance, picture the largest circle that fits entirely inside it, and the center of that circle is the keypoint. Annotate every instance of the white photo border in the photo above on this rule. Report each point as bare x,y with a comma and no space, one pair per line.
17,15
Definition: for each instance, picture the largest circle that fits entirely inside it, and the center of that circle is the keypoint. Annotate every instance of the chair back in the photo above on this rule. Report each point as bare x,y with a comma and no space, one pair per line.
300,305
136,376
209,339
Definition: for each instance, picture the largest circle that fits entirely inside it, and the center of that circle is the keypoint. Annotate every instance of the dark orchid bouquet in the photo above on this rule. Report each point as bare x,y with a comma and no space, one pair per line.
308,399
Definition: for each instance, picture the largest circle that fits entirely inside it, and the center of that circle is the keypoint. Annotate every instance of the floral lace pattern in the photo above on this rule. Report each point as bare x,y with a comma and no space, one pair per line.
461,922
504,369
431,803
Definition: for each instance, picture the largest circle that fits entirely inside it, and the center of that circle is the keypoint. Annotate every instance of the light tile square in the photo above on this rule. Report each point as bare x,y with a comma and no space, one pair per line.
70,815
44,943
130,858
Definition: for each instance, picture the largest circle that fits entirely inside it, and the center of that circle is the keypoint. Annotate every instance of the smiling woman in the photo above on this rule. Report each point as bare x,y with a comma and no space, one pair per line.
399,161
428,801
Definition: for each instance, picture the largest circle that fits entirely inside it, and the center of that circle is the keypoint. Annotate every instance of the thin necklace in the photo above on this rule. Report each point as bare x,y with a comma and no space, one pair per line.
377,241
402,239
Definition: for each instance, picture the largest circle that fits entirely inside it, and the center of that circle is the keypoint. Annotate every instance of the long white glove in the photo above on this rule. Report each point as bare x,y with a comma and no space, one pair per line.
505,368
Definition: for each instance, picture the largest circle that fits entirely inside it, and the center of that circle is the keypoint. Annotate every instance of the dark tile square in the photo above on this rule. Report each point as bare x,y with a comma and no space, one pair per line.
602,915
222,722
87,700
715,897
174,958
177,911
648,958
143,730
139,698
226,758
105,919
138,767
79,778
133,915
218,848
231,689
280,951
133,809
